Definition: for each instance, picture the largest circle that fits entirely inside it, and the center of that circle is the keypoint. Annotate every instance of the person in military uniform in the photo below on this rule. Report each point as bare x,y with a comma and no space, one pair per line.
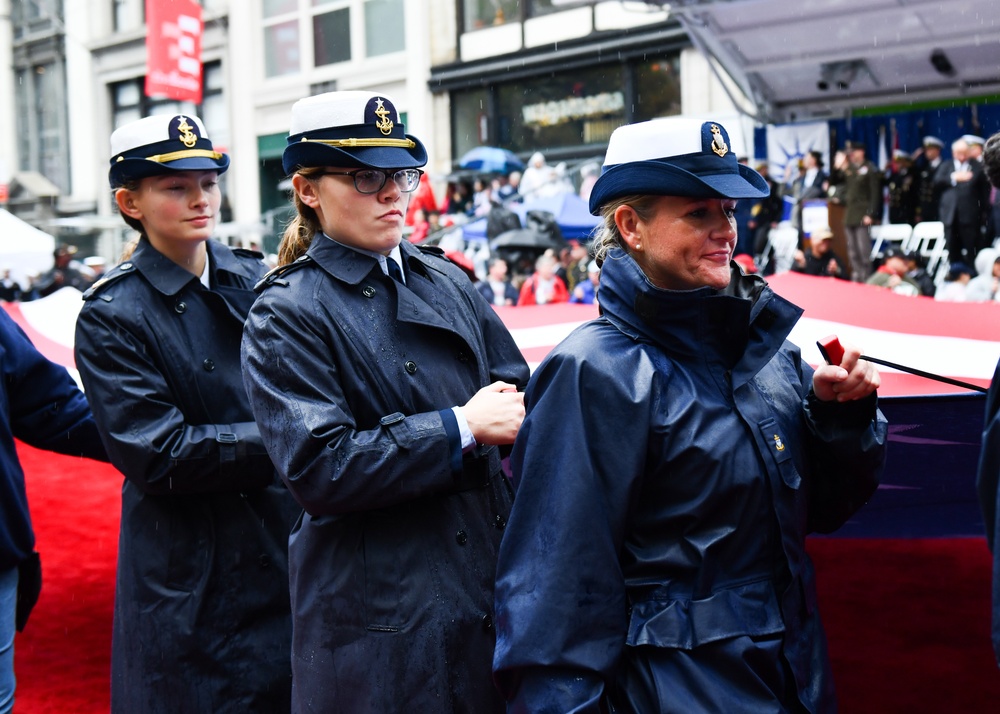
903,184
860,189
65,272
383,384
202,619
926,160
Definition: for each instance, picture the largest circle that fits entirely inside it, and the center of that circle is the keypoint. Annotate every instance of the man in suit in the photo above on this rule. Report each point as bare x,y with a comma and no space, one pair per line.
965,195
926,161
811,183
860,190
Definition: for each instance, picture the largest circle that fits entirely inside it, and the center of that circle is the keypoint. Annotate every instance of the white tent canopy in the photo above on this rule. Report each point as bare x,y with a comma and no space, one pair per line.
24,250
817,59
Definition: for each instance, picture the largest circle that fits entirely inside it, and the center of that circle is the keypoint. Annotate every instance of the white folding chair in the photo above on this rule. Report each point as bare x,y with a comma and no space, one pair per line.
894,234
928,241
781,245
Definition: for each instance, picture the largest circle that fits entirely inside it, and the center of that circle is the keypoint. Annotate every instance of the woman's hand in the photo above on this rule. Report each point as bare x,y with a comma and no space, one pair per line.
852,379
495,413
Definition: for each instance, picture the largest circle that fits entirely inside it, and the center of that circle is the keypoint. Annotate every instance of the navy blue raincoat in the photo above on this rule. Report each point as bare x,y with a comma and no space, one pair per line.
352,376
41,405
672,461
202,615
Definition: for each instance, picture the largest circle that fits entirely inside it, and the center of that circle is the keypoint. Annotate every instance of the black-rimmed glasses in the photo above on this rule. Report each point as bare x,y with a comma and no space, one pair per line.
372,180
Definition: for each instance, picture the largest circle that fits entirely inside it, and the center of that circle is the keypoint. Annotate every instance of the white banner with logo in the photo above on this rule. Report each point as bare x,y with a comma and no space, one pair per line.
788,143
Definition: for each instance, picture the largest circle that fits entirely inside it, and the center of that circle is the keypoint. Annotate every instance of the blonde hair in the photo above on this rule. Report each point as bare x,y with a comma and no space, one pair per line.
303,227
608,236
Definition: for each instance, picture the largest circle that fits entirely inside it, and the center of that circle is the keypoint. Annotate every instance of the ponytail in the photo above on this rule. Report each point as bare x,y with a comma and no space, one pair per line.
303,227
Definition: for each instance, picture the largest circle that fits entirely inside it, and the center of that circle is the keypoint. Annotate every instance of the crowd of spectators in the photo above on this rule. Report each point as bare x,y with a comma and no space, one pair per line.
66,271
925,185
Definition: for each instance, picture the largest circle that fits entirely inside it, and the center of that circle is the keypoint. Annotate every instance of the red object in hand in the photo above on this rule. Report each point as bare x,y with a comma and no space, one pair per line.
831,350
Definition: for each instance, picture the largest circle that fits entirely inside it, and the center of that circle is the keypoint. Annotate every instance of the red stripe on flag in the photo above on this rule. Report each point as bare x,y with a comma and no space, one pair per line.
52,350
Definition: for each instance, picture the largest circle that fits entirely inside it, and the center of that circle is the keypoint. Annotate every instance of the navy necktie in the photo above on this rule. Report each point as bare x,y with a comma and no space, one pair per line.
395,271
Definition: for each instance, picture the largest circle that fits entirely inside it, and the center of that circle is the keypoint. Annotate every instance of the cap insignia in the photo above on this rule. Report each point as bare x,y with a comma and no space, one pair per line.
187,136
718,143
384,124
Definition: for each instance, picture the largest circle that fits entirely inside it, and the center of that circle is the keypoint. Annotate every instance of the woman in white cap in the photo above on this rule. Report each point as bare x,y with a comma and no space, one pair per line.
202,617
383,384
674,455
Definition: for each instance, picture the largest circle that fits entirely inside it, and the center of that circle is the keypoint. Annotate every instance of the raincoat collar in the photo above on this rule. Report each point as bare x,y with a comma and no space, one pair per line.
352,266
742,326
169,278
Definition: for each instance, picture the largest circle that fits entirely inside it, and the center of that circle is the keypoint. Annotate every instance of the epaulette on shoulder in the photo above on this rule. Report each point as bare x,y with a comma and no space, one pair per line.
112,276
276,275
434,250
247,253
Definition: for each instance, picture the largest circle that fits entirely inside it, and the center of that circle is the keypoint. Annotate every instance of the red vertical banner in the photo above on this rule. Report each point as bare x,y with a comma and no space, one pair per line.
173,49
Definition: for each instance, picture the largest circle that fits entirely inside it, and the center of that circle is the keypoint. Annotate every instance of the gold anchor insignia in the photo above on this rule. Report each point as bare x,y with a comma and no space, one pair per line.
385,125
778,444
719,147
187,137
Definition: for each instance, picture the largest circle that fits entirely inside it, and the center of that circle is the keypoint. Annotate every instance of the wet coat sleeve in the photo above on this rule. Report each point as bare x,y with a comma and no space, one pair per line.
847,455
302,395
560,631
47,410
144,429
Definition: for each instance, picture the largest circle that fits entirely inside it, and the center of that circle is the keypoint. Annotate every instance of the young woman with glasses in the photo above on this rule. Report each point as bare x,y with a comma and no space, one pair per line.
383,384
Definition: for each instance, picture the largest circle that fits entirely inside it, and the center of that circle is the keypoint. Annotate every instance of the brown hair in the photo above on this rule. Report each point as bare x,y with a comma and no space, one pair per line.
608,236
303,227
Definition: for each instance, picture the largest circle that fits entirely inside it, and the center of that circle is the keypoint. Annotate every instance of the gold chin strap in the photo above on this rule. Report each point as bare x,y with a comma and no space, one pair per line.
354,143
184,154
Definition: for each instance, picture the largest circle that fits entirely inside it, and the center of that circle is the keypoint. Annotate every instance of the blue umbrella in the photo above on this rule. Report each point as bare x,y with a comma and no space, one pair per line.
570,211
491,160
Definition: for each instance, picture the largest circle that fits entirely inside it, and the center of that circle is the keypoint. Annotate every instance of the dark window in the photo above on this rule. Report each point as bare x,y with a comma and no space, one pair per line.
332,37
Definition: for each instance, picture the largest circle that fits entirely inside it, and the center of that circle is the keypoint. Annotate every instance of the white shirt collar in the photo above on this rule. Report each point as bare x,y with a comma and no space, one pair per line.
395,254
205,277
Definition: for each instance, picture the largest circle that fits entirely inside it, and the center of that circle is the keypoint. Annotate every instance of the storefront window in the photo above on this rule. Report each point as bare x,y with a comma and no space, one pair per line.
566,109
658,88
384,27
487,13
570,109
470,120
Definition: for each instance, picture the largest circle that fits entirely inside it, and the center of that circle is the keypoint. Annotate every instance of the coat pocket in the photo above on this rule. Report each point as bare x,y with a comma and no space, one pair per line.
751,609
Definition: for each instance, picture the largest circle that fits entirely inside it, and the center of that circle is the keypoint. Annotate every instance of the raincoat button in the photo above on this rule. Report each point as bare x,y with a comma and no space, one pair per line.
209,365
461,538
410,366
125,266
487,622
180,308
368,291
264,560
500,522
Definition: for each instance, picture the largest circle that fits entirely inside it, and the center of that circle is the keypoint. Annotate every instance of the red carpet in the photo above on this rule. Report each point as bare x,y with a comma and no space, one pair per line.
63,657
907,620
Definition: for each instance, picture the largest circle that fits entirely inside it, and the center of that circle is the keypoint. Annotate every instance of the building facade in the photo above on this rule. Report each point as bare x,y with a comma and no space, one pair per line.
528,75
